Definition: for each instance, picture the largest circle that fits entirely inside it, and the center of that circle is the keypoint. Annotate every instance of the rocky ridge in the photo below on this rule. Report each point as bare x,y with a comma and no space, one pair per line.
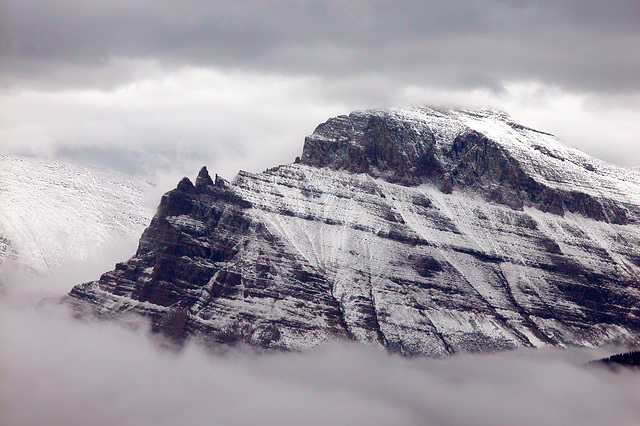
426,231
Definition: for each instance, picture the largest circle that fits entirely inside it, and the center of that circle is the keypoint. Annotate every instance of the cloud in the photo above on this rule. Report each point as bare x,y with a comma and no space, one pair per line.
58,370
582,46
23,288
151,86
183,120
170,124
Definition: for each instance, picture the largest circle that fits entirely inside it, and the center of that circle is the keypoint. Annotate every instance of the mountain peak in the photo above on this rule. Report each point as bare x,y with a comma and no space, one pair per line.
185,184
479,150
407,145
53,211
203,178
426,231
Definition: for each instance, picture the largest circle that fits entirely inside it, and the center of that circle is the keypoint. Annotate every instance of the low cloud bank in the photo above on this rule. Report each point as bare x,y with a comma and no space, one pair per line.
56,370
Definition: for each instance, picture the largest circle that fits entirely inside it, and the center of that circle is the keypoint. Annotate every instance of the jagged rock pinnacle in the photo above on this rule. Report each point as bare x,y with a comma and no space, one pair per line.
203,178
185,184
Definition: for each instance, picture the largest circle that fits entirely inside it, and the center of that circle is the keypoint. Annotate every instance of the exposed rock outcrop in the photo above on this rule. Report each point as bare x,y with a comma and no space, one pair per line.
508,164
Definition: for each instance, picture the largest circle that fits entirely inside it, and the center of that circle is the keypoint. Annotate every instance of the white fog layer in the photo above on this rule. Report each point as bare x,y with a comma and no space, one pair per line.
60,371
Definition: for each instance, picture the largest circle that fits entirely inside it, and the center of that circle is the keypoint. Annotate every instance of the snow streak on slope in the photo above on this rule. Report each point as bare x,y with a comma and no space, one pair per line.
51,212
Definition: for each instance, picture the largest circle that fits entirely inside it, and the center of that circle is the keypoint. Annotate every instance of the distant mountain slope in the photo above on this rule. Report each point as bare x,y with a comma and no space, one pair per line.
52,211
426,231
614,362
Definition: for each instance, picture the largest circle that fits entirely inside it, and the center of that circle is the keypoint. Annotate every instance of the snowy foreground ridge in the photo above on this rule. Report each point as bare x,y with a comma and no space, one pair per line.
52,212
427,231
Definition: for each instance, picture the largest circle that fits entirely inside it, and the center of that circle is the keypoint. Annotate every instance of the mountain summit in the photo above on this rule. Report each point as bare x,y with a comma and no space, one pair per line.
426,231
484,151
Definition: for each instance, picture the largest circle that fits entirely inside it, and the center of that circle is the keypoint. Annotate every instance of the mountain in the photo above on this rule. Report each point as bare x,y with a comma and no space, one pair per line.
429,232
53,212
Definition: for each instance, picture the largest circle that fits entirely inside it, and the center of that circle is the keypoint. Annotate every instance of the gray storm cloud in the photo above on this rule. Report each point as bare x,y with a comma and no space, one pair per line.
142,86
585,46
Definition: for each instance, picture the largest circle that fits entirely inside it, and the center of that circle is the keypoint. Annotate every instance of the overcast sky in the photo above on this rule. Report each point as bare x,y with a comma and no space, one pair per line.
159,88
146,86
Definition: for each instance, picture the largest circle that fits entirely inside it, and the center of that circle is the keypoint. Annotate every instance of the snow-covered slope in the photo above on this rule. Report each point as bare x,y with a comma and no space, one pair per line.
52,212
426,231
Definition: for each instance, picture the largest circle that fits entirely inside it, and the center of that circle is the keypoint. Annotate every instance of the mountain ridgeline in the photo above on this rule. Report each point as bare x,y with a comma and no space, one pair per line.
428,232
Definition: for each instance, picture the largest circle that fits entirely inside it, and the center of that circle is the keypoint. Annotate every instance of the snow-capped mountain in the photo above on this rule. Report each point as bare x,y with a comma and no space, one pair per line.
426,231
52,212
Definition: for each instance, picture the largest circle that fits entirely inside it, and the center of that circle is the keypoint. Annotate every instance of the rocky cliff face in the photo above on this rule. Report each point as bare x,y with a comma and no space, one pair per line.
428,232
